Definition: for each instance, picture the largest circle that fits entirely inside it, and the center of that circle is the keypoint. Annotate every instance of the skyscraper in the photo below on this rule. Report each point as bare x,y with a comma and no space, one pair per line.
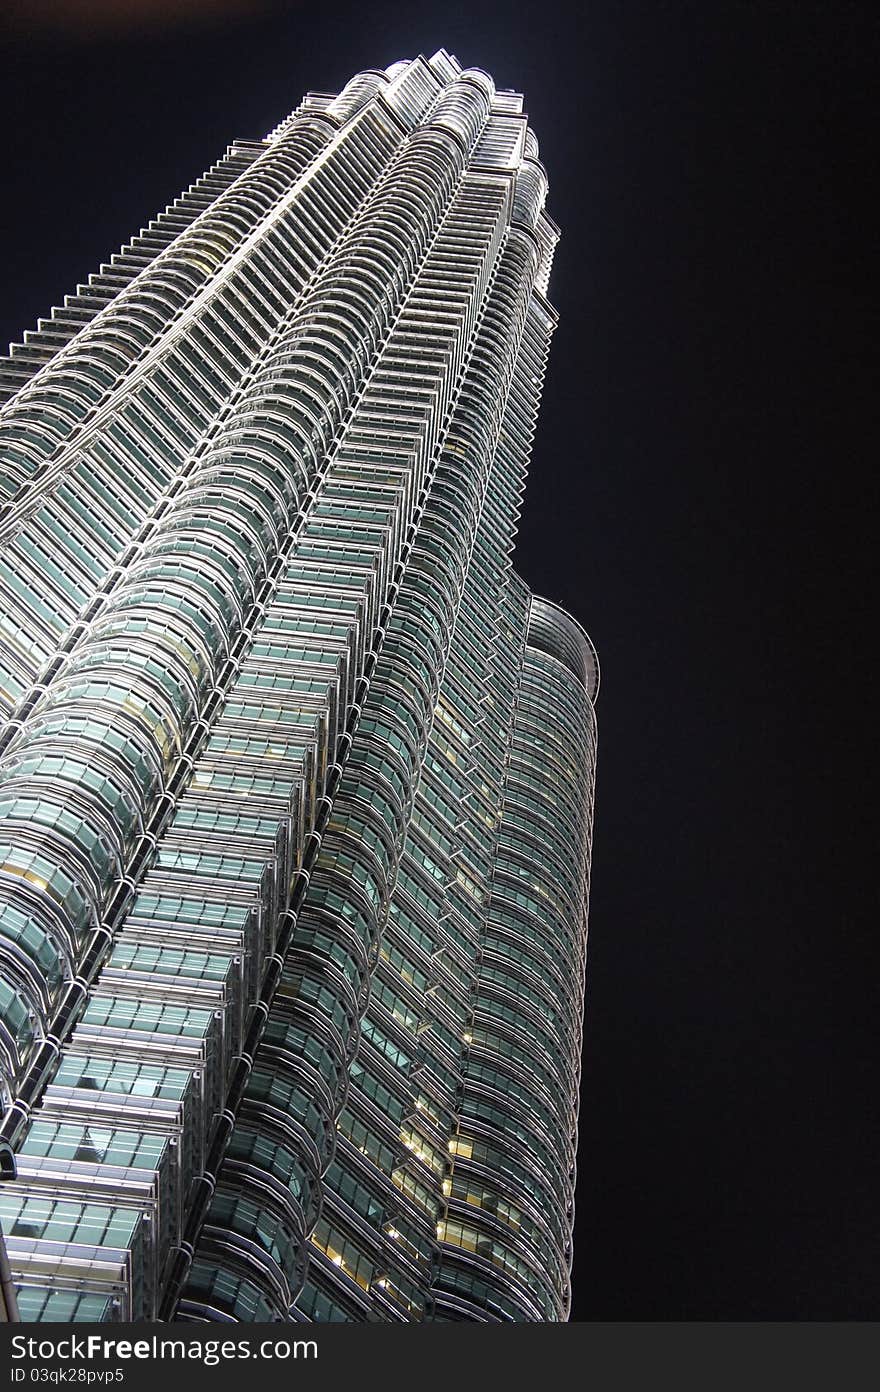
296,776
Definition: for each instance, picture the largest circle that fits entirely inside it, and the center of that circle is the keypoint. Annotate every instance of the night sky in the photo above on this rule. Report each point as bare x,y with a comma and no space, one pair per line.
699,497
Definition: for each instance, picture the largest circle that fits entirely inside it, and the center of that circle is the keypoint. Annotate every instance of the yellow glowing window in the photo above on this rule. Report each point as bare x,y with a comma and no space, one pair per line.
462,1147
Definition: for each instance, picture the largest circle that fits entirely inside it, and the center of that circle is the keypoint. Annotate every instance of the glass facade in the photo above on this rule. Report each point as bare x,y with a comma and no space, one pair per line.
296,777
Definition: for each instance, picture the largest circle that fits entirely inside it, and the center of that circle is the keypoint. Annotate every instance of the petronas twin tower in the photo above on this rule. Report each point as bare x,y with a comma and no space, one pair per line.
296,776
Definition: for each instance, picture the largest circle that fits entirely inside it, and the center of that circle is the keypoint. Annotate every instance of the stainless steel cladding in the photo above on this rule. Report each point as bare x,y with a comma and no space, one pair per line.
296,777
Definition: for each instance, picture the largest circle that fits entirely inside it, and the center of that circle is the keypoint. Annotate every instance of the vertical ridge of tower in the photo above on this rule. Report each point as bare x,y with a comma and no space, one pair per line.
276,705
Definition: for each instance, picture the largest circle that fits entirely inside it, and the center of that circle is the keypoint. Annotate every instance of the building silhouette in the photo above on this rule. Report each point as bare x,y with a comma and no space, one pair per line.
296,776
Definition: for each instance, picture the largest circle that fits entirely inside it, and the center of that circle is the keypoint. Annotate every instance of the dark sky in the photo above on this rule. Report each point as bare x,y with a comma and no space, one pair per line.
700,497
